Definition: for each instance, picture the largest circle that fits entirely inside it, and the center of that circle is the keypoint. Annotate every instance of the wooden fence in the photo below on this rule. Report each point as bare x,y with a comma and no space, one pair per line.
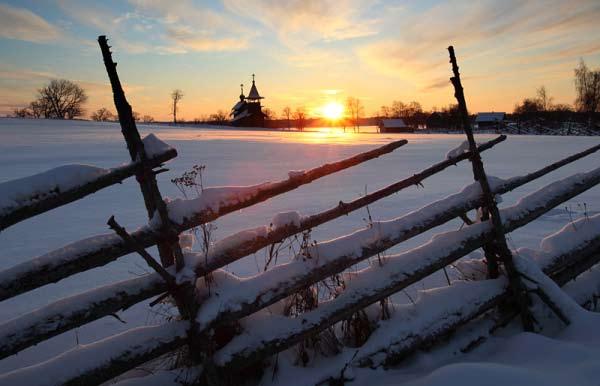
229,332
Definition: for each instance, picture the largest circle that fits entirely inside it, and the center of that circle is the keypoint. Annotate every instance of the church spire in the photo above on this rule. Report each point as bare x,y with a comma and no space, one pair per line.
242,92
254,95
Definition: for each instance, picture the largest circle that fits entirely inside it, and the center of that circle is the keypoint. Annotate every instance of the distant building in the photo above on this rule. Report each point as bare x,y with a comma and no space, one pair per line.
248,111
492,120
395,125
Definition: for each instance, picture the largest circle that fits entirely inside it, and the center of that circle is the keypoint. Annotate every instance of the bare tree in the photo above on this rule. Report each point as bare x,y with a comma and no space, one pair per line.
269,114
136,116
545,101
220,117
102,115
147,119
300,117
62,99
176,96
22,112
287,113
385,112
38,110
587,85
355,110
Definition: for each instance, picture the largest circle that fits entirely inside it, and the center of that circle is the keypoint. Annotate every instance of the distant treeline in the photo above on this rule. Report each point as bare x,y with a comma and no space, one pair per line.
63,99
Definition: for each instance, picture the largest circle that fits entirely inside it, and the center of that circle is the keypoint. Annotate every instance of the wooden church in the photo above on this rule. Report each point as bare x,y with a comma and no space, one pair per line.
248,111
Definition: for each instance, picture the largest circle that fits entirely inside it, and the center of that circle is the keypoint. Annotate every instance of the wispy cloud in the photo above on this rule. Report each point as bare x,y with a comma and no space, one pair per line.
301,22
25,74
188,38
22,24
485,29
162,27
188,27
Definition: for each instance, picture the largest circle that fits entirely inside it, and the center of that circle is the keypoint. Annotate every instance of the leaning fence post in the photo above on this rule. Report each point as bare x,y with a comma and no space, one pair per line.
489,210
169,249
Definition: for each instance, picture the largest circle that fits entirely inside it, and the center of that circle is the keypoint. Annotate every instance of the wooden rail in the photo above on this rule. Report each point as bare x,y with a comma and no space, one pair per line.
103,249
41,324
52,200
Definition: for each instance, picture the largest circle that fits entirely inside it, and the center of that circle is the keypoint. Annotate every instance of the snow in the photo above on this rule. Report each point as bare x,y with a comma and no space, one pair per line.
243,114
283,219
241,157
232,241
153,146
28,190
462,148
66,253
396,272
54,316
350,248
182,376
296,173
393,123
489,117
574,233
83,358
211,199
586,283
186,241
433,309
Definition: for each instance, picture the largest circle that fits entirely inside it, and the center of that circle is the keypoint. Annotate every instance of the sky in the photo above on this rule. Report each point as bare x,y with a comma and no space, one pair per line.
303,52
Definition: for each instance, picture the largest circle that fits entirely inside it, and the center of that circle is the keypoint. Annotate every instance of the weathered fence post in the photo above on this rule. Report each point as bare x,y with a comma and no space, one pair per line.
169,249
498,248
168,246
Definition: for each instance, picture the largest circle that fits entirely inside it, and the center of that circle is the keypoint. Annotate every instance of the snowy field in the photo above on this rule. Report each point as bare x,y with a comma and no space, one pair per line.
242,157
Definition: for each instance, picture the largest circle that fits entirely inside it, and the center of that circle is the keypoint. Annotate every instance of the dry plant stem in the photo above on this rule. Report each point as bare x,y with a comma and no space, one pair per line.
499,244
230,255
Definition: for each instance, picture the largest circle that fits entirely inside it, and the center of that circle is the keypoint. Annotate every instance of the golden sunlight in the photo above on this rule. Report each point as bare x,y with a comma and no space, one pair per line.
333,111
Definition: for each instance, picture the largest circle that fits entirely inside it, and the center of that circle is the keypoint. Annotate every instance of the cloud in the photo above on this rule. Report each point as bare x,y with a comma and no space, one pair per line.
25,74
301,22
188,27
491,38
22,24
190,39
162,27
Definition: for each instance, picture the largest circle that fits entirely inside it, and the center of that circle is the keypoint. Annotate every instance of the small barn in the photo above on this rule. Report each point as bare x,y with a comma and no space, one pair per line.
395,125
491,120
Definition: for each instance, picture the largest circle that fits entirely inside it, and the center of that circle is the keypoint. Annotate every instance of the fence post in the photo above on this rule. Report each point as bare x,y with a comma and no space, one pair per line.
169,249
489,210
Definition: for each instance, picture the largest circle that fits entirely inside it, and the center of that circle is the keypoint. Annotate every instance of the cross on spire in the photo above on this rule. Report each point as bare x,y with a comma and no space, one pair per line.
252,78
242,88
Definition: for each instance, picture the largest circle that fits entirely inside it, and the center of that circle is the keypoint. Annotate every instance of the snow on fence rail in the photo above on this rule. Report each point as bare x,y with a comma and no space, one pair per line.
74,311
378,282
102,249
27,197
240,301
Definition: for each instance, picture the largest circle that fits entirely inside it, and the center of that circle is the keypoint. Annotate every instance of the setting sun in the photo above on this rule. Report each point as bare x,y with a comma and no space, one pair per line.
333,111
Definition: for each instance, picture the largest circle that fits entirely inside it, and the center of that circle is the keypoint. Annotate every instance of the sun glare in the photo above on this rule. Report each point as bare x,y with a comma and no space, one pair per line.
333,111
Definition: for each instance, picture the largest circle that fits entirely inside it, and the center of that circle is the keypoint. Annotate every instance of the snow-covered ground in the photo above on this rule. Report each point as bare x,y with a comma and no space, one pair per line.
243,157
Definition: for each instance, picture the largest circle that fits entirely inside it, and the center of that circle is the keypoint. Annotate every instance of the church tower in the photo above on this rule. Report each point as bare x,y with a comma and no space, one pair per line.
248,111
